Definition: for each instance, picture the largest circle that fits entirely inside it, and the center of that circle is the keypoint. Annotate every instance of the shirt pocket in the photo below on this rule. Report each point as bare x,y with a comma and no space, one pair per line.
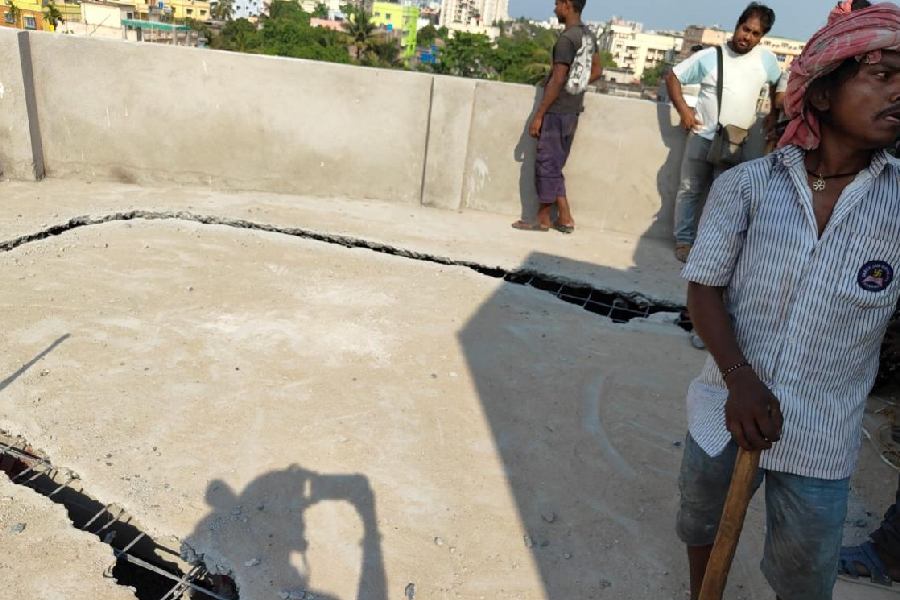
867,277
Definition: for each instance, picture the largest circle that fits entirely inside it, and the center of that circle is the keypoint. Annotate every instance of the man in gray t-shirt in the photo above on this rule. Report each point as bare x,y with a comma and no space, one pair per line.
576,63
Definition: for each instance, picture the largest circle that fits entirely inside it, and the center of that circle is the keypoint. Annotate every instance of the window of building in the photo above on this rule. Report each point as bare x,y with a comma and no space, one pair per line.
129,15
30,23
8,17
189,11
202,13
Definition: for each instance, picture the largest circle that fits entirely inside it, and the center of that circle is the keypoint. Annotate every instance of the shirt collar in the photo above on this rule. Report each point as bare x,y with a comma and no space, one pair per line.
793,156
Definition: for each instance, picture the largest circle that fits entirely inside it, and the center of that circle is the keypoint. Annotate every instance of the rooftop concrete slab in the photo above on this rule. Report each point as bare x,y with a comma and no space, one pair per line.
315,418
603,259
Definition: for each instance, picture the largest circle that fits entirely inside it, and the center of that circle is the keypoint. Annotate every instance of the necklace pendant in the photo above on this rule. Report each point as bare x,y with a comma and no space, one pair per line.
819,184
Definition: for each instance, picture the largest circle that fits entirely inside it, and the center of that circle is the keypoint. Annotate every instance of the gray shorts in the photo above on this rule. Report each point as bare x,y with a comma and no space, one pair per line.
804,520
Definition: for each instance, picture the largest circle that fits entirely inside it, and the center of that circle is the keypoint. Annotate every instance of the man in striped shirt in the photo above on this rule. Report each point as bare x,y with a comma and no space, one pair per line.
791,288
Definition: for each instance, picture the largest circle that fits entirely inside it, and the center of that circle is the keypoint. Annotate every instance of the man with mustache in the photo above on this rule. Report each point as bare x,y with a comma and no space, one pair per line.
792,283
747,67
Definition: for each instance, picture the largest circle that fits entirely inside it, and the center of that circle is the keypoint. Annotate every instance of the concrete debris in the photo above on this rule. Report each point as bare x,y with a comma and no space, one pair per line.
667,318
529,543
549,517
410,591
438,541
296,595
17,528
696,342
252,563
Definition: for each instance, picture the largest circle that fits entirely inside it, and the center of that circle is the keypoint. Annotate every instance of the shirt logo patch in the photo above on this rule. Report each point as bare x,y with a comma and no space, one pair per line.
875,276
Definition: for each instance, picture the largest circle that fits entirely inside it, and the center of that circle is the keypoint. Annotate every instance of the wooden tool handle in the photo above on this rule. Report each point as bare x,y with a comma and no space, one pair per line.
739,493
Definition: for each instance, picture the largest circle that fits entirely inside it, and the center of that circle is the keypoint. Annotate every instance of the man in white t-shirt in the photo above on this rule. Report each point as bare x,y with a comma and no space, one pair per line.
747,68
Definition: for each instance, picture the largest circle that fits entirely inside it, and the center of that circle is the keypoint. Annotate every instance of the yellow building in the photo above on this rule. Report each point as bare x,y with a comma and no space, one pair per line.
404,18
35,14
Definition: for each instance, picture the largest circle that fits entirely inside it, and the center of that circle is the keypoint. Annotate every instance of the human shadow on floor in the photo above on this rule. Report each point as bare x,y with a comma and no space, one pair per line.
524,154
256,532
587,429
21,371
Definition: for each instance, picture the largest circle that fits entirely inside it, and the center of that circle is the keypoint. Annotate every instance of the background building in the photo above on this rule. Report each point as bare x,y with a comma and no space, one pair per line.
476,16
401,18
635,50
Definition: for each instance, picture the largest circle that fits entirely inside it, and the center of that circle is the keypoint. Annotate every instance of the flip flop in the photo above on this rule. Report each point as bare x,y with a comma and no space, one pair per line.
864,555
523,226
564,228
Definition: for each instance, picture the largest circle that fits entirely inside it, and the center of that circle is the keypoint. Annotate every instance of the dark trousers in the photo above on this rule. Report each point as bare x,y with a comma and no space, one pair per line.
887,536
553,147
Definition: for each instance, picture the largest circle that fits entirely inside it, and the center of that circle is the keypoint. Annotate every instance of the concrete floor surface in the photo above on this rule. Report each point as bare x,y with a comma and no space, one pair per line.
314,418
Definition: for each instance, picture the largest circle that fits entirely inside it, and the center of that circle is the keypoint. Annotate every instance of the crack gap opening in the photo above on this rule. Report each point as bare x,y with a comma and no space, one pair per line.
140,561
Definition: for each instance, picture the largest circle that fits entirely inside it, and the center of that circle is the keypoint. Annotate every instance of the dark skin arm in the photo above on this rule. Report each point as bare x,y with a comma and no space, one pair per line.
772,117
688,118
551,92
596,69
752,412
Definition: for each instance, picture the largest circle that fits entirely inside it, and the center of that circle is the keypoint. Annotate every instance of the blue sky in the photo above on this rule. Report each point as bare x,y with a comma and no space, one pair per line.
794,18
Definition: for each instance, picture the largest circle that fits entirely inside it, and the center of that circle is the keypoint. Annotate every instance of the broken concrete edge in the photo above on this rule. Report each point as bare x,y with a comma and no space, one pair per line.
37,464
627,305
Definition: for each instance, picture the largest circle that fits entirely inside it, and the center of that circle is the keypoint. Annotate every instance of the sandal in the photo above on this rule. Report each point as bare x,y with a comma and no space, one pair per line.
564,228
524,226
865,555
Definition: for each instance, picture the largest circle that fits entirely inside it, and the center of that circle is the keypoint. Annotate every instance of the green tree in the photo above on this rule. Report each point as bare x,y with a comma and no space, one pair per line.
360,30
295,38
240,36
223,10
607,61
383,52
651,76
53,15
14,13
320,12
426,36
467,55
521,61
287,9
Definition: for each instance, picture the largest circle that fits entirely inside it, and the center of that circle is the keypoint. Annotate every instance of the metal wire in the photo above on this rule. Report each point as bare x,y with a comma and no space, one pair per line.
36,467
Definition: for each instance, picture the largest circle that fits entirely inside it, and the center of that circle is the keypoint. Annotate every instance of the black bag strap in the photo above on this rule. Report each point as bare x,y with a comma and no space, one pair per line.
719,81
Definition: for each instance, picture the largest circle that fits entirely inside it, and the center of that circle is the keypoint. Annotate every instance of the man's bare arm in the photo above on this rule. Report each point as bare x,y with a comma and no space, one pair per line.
752,413
673,86
551,93
596,68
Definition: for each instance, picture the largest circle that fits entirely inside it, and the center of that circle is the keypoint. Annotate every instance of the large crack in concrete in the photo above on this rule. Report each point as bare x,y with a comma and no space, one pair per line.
619,306
152,569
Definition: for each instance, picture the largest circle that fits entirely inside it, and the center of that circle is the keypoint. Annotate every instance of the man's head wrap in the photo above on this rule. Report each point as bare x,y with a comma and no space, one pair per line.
860,35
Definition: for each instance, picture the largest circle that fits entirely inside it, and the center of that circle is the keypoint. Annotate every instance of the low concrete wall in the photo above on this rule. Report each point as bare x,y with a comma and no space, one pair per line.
145,113
623,169
20,151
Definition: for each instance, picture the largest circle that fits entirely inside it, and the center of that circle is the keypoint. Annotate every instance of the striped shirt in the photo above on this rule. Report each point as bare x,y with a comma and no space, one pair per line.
808,313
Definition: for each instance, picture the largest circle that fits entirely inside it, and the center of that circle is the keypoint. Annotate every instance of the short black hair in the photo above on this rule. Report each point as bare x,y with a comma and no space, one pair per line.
578,5
860,4
762,12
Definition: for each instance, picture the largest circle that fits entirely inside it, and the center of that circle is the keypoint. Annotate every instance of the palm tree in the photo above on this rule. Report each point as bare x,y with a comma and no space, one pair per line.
359,28
53,14
223,10
13,13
